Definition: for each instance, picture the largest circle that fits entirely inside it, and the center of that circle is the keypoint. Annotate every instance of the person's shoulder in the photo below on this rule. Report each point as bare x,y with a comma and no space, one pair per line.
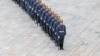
63,26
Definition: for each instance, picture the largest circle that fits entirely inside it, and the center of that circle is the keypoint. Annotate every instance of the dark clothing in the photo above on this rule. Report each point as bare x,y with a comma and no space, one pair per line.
47,21
61,41
61,32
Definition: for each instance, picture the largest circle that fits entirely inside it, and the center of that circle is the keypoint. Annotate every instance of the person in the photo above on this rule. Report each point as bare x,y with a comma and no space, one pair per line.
50,23
55,35
32,4
17,1
26,6
30,7
44,19
38,7
61,31
22,3
41,12
52,28
33,11
47,16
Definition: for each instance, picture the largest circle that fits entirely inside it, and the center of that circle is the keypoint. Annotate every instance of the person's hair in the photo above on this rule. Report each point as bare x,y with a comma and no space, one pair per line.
61,21
40,1
44,6
57,17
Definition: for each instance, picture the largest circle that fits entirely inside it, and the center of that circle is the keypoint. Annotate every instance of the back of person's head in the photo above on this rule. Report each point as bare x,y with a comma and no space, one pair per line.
39,1
57,17
44,6
61,21
52,12
48,9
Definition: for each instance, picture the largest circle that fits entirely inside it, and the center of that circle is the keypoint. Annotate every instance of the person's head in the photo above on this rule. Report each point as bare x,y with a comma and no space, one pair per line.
39,1
61,21
52,12
57,17
49,9
44,6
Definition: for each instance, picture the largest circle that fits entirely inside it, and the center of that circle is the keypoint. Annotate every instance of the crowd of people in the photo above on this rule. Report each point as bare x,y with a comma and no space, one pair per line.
44,17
